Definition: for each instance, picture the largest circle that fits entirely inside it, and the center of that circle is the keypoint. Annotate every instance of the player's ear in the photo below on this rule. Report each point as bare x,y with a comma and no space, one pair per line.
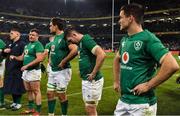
74,34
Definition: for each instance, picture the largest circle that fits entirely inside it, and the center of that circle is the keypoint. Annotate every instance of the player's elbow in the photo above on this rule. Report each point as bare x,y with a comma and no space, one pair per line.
103,55
175,67
40,59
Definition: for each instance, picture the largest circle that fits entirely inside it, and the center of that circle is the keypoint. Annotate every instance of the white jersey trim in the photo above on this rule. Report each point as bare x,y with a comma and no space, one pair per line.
94,49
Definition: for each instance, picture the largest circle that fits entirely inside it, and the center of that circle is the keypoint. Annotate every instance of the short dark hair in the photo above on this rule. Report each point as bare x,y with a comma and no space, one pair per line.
135,10
35,30
16,28
69,30
59,22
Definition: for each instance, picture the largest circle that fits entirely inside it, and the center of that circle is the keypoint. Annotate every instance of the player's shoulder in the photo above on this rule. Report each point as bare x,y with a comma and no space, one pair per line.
87,38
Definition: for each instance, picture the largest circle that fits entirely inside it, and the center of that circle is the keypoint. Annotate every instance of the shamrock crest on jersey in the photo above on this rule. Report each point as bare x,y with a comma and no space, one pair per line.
138,45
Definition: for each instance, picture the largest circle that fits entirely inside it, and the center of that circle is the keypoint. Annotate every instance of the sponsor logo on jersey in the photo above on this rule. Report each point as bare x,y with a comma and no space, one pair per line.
52,48
125,57
26,52
138,45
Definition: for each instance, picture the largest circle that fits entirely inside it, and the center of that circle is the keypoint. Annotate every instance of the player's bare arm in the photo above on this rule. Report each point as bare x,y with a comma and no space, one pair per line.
116,72
39,58
168,67
7,50
18,58
100,56
73,52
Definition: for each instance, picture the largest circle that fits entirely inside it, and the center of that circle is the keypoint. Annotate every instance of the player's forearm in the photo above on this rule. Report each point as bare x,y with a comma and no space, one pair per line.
71,55
35,62
99,61
116,70
18,58
168,68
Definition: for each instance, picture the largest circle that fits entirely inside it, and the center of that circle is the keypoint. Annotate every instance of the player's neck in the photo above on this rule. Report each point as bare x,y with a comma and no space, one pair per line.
134,29
59,32
80,37
16,39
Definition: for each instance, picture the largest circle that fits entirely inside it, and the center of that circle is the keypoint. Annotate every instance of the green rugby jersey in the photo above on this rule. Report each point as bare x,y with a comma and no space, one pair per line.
139,55
2,46
59,50
87,60
48,46
30,51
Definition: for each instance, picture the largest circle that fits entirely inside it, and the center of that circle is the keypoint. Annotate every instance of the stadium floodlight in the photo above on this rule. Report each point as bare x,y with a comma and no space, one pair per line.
93,25
162,19
81,25
177,18
105,25
170,19
148,21
31,23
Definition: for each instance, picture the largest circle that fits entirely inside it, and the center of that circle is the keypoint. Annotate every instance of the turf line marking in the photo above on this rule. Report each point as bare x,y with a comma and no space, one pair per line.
72,94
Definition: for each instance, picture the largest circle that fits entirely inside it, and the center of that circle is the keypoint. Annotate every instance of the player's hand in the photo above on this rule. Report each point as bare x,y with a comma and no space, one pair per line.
90,76
141,88
7,50
62,64
11,57
116,87
24,68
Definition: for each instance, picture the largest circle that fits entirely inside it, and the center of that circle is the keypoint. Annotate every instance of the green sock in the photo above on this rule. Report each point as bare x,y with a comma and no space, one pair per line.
51,105
64,107
38,108
31,104
1,96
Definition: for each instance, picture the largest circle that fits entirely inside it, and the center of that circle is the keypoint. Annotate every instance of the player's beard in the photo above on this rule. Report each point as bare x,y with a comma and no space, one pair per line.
124,28
53,33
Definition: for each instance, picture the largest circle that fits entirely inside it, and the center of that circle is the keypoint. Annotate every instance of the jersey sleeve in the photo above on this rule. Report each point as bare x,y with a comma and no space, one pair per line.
155,48
89,43
2,45
48,46
39,48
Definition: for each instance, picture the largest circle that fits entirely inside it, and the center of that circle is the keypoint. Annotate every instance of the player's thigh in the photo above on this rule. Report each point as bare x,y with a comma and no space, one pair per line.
92,91
121,109
62,80
51,84
31,75
143,109
1,81
35,85
27,85
2,67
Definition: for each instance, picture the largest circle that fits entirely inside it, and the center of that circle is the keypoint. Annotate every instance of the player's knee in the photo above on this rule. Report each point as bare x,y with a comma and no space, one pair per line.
50,94
91,103
62,97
